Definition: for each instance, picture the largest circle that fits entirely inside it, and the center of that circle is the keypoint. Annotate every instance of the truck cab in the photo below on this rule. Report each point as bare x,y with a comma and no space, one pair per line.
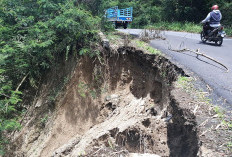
120,17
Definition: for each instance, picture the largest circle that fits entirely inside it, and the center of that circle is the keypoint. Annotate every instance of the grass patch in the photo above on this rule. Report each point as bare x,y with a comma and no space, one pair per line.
187,84
177,26
44,120
112,36
184,83
228,31
183,27
219,112
148,48
229,146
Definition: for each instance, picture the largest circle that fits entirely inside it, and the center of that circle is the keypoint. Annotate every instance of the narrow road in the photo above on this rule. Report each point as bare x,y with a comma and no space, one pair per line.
208,71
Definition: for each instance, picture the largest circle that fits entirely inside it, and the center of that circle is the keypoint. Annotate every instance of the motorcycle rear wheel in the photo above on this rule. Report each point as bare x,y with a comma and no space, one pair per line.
203,39
219,41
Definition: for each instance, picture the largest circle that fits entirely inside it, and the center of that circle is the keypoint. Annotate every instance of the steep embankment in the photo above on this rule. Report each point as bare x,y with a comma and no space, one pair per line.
117,103
122,101
132,113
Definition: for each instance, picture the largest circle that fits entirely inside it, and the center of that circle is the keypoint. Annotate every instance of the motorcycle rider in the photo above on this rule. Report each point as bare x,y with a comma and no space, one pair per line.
212,20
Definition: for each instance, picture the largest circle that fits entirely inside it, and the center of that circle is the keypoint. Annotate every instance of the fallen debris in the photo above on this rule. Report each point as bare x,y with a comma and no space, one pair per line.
149,34
197,52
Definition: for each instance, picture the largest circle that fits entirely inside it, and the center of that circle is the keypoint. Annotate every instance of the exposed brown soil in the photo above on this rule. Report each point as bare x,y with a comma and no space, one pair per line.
120,103
132,113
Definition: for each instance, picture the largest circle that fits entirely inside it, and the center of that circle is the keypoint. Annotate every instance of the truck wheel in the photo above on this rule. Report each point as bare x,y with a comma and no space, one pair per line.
115,25
125,26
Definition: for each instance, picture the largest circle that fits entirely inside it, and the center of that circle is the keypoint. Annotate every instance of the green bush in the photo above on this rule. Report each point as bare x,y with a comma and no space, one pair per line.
176,26
32,35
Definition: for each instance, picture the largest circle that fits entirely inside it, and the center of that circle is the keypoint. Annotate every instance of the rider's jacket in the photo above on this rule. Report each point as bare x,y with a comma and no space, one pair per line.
214,18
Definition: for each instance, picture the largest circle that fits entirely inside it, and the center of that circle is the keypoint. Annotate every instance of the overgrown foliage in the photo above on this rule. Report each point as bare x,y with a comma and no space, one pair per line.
151,12
32,33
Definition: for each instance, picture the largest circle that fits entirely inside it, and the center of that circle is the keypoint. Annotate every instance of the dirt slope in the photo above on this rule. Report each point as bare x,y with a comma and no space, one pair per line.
121,102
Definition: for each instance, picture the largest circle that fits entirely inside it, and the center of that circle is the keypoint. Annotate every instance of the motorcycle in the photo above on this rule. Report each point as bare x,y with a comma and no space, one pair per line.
214,35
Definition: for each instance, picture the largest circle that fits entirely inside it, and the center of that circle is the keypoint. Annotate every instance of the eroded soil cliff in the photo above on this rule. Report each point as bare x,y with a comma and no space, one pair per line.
120,102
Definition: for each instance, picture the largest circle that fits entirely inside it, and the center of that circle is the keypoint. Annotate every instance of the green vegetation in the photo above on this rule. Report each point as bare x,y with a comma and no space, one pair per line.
178,15
89,89
112,36
177,26
219,112
229,146
44,120
183,27
186,84
228,31
147,48
32,34
226,123
82,89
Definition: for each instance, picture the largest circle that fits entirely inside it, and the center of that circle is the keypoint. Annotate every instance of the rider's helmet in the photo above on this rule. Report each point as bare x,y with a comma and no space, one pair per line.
215,7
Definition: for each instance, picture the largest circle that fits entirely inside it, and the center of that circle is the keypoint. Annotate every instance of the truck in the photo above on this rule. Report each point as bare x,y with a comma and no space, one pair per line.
119,17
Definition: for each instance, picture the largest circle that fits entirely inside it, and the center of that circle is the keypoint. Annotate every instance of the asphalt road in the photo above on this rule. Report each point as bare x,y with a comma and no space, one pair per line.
208,71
